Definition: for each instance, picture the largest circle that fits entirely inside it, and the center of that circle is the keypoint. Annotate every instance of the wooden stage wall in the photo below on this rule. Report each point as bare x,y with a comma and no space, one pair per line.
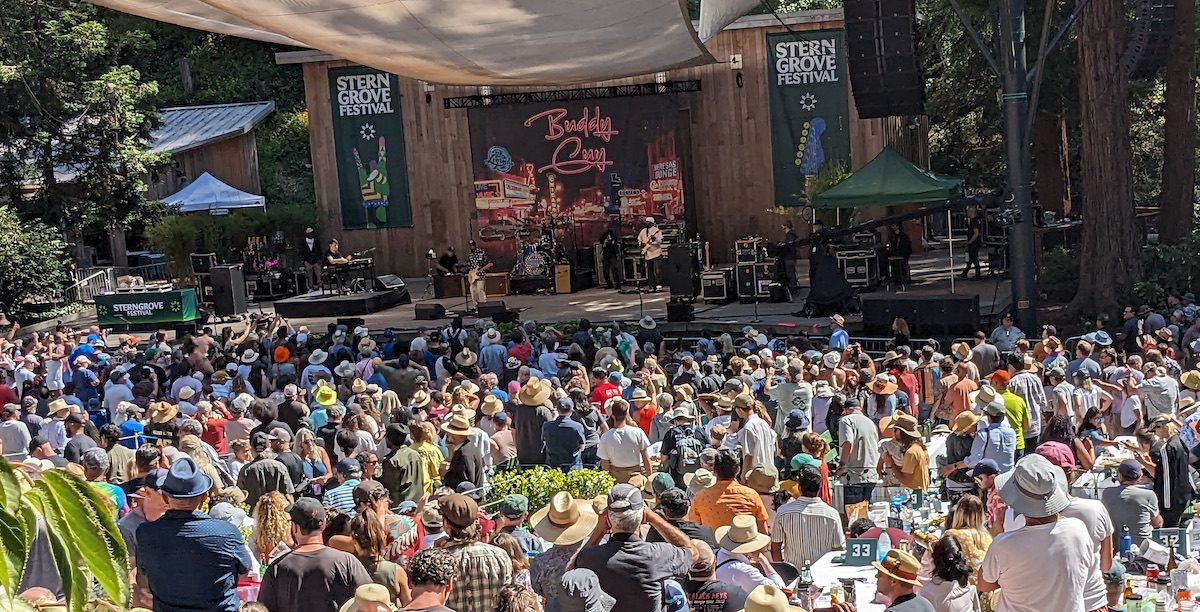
729,191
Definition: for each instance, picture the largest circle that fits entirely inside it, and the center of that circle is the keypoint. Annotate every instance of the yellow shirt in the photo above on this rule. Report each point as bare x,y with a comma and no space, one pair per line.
914,472
431,460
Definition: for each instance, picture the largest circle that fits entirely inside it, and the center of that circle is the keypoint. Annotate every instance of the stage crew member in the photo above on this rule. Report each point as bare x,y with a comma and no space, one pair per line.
651,239
310,254
447,262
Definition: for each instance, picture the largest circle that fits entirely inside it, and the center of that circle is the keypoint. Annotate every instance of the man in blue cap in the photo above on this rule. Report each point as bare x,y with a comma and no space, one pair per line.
191,561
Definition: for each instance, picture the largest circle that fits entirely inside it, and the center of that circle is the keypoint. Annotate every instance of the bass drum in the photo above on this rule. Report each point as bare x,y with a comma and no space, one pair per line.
534,264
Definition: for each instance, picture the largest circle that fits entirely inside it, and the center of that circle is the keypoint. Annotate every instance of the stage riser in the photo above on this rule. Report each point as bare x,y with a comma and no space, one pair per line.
341,305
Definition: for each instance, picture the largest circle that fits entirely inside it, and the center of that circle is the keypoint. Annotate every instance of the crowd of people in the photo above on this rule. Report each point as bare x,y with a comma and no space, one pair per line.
274,468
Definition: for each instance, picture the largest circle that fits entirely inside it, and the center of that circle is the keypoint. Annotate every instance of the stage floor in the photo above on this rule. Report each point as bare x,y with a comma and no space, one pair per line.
316,305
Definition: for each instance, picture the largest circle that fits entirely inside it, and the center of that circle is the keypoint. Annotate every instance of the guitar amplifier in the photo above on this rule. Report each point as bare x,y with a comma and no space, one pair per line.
716,285
496,283
764,275
749,250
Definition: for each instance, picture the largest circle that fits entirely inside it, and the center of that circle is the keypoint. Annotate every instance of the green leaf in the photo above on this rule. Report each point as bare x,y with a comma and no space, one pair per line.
89,531
74,582
13,549
10,488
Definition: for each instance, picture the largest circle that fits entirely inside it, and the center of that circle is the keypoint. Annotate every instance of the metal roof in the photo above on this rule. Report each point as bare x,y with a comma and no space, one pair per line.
188,127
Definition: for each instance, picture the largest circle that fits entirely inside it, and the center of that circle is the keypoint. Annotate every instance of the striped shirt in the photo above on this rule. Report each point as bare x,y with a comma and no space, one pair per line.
808,528
342,497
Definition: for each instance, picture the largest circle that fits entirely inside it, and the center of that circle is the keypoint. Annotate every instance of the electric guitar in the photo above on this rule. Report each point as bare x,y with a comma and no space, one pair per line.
474,274
649,242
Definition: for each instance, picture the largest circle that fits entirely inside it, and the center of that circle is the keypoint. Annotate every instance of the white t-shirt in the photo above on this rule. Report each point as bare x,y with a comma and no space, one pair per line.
758,441
1041,567
1099,526
623,446
1131,405
820,413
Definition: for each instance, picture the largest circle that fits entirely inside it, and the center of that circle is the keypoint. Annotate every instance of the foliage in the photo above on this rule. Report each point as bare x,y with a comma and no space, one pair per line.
33,263
74,119
1169,268
540,483
83,535
179,235
1058,276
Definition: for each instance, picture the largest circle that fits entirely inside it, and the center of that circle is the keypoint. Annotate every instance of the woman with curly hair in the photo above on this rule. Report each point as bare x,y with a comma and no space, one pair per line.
949,589
272,533
370,540
818,447
1059,429
517,598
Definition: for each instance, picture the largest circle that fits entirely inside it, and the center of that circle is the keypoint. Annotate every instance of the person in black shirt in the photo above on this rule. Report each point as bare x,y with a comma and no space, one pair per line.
787,252
610,253
447,262
707,594
281,445
673,505
334,258
310,254
899,250
974,241
267,415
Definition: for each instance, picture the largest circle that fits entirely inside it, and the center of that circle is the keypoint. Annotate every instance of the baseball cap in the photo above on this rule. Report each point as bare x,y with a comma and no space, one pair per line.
406,506
625,497
431,516
1130,468
349,466
514,506
307,513
459,509
291,391
367,491
705,562
280,434
999,377
1057,453
985,467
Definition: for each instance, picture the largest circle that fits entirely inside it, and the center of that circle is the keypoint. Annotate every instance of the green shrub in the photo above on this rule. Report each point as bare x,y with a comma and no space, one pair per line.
34,263
1058,277
540,483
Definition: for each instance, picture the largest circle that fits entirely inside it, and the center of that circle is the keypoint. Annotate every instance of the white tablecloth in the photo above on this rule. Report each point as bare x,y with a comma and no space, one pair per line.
826,573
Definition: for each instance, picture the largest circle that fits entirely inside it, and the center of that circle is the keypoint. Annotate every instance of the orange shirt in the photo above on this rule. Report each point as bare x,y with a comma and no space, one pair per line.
959,397
646,416
717,505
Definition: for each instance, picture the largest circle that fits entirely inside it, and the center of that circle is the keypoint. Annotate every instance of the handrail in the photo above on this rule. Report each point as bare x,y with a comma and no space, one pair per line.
102,272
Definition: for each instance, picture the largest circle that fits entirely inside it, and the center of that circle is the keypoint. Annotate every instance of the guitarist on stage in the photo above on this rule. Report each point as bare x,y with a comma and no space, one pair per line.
651,239
479,263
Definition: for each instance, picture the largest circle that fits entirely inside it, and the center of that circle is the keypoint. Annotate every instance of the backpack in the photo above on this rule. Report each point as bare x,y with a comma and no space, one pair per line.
685,457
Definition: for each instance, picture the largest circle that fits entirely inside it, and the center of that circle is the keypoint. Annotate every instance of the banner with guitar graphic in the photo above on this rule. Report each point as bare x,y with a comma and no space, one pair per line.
551,175
368,141
810,109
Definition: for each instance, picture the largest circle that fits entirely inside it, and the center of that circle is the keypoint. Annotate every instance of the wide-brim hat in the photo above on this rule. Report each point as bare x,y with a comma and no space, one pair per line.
1143,310
163,412
685,390
1032,365
492,335
358,386
647,322
640,397
984,396
458,424
184,480
466,358
1034,487
57,406
699,480
325,396
420,399
249,356
882,385
680,412
905,423
1052,343
565,520
368,595
837,318
900,565
343,369
1191,379
491,405
534,392
742,536
965,422
764,479
823,389
768,598
366,346
962,350
317,357
282,354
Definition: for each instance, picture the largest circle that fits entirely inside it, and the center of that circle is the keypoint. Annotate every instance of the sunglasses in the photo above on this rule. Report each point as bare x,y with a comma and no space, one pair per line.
371,461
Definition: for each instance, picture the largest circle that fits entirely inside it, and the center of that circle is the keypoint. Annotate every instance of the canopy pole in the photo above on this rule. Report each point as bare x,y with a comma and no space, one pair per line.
950,239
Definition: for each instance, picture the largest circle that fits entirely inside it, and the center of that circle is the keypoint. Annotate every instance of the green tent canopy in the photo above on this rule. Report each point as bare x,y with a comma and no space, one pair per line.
888,180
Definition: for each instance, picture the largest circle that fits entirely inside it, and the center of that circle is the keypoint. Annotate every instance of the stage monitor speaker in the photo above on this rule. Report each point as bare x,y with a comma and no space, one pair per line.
228,290
429,311
485,310
505,316
681,273
387,282
939,316
352,322
881,44
680,312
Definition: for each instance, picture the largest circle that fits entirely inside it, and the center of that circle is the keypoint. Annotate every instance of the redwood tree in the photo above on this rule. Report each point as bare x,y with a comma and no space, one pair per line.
1177,199
1109,264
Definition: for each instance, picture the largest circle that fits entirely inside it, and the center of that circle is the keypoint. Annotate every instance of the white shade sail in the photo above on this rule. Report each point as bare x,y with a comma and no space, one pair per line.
461,42
208,193
716,14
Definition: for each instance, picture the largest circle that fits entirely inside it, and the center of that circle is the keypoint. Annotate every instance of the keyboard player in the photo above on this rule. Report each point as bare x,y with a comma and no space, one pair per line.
334,259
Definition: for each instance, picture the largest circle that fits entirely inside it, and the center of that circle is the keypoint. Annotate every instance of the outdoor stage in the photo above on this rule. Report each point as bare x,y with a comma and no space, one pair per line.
604,306
315,305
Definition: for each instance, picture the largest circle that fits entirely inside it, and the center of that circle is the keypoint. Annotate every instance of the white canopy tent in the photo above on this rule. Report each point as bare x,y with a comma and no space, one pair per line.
464,42
208,193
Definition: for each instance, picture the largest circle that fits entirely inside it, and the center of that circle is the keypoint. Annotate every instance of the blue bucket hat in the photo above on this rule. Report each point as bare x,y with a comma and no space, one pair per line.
184,480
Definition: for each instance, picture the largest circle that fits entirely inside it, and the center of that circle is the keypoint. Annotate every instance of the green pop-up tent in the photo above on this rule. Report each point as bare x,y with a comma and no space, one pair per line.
888,180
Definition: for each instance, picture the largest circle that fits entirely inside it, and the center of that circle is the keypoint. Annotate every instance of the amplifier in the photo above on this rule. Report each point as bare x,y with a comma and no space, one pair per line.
716,285
749,250
485,310
496,283
680,312
764,275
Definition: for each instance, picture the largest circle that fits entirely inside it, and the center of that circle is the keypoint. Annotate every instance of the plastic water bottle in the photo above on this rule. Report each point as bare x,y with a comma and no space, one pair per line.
885,544
1125,543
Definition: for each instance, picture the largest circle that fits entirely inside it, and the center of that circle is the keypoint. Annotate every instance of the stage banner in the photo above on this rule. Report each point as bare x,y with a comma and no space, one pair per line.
810,109
368,141
175,306
552,177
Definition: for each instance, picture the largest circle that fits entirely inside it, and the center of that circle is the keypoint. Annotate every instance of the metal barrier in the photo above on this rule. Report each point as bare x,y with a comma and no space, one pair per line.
90,282
152,272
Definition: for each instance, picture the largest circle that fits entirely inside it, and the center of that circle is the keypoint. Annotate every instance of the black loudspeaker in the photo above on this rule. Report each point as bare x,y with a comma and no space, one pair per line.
681,273
680,312
352,322
387,282
228,290
941,316
430,311
885,73
202,263
505,316
745,280
485,310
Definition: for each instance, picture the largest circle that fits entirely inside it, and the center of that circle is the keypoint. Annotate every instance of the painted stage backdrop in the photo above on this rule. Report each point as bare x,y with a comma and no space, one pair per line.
810,109
368,140
574,169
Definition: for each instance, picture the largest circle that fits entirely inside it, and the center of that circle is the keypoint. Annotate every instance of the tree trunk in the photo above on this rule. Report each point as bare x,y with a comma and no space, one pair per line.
1050,158
1176,201
1109,264
120,251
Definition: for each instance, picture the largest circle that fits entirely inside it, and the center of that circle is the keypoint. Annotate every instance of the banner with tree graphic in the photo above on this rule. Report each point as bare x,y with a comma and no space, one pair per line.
810,109
368,140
